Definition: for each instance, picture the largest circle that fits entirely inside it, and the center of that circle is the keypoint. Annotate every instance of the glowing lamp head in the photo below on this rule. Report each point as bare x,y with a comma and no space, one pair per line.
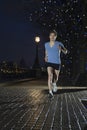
37,39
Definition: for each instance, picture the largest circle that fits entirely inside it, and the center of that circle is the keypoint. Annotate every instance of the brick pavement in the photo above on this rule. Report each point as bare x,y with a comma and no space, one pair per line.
28,108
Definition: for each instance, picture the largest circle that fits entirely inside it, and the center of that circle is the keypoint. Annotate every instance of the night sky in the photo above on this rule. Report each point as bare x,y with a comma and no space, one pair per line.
17,36
22,20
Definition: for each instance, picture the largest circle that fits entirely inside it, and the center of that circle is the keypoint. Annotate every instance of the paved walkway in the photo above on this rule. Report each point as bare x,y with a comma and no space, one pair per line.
26,106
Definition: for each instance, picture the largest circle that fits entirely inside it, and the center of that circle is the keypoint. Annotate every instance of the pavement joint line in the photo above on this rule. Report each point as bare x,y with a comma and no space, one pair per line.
77,120
68,112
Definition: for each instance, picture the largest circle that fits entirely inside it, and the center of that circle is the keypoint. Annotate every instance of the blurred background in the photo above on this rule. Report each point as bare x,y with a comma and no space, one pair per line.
24,29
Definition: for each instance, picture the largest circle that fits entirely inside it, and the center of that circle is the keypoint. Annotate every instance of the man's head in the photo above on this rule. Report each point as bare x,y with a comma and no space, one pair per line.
53,35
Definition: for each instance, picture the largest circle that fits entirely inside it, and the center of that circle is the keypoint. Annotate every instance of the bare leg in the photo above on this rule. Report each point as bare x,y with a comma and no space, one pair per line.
56,75
50,77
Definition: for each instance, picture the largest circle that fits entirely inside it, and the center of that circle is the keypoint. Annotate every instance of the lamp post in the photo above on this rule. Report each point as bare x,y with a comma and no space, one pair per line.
37,40
36,65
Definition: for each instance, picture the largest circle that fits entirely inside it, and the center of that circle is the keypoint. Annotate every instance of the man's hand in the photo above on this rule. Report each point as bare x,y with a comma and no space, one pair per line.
46,59
63,49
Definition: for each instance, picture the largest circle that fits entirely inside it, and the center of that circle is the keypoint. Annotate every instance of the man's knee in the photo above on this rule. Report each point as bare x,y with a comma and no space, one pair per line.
50,75
57,75
57,72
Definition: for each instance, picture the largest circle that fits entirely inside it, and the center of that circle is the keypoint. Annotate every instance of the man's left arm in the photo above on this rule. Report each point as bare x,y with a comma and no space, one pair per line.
63,49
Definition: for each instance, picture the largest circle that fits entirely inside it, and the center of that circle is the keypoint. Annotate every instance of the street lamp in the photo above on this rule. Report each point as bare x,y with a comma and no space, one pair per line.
36,65
37,39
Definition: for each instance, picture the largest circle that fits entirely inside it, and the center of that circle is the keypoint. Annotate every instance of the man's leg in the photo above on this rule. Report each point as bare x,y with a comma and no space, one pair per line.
50,78
56,77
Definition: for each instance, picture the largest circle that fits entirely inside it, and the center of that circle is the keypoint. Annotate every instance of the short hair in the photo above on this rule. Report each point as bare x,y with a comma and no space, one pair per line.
53,31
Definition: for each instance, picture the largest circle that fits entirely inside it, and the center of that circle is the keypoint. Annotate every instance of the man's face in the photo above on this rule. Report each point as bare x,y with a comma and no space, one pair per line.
52,37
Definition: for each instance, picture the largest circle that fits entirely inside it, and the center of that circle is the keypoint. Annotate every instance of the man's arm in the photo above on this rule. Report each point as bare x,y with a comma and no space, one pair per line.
64,50
46,56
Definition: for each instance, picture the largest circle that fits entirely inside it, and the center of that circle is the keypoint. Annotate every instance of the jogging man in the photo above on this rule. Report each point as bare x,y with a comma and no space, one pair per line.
53,49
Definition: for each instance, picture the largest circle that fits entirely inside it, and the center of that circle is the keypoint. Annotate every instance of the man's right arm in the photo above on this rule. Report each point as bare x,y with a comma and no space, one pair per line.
46,56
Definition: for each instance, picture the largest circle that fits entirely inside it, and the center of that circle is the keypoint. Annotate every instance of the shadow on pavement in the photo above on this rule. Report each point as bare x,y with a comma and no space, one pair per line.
45,91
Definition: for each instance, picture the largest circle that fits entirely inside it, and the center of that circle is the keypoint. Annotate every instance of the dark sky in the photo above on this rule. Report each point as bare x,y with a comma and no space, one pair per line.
17,36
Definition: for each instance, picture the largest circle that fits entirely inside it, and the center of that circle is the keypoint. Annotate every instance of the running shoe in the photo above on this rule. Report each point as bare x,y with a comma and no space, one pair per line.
54,87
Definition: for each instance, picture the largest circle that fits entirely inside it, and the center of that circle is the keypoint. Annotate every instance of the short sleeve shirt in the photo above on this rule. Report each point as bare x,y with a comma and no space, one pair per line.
53,52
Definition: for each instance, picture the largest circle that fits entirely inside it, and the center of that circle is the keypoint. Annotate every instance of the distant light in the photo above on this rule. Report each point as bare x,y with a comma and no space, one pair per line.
37,39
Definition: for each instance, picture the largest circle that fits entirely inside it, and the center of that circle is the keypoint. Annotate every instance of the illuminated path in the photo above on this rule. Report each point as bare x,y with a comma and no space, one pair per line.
26,106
